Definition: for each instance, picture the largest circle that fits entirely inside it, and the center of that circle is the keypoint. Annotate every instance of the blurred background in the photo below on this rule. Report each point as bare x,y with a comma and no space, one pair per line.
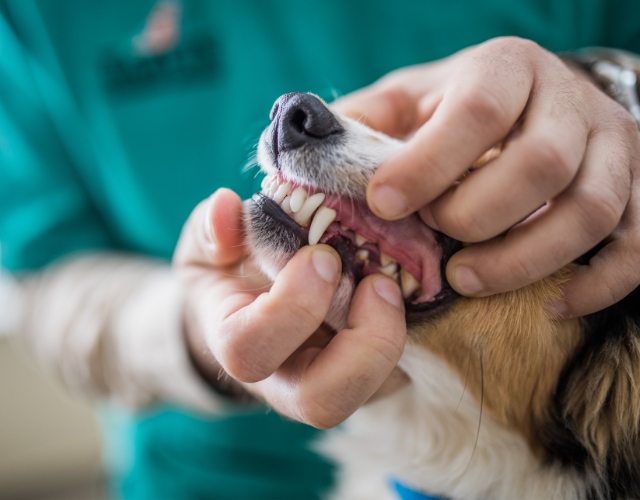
49,441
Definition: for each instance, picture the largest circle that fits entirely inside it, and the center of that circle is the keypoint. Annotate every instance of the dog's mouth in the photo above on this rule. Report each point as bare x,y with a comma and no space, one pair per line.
405,250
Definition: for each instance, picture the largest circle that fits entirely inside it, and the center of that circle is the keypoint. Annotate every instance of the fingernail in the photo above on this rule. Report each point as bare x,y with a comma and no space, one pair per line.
389,202
389,291
326,265
466,281
560,308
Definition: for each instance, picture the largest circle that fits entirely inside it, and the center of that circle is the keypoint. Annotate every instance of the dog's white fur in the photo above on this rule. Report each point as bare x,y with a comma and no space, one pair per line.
431,436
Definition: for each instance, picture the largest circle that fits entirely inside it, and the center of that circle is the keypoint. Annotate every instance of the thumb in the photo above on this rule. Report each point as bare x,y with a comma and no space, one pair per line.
213,235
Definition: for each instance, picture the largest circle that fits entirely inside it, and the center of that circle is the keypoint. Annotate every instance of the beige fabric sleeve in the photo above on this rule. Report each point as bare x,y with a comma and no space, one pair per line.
110,325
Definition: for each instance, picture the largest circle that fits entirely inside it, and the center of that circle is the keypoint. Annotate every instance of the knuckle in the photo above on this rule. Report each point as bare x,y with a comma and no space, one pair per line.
557,162
466,225
600,210
523,271
484,105
303,314
240,360
321,413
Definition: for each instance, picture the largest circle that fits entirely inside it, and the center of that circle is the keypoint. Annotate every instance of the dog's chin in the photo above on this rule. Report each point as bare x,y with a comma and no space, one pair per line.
274,237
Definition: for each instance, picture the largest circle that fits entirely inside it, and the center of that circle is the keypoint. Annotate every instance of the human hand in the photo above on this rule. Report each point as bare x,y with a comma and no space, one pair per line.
573,149
270,337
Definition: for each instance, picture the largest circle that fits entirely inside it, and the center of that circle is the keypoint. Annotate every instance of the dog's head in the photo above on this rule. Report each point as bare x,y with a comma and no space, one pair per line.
570,388
318,165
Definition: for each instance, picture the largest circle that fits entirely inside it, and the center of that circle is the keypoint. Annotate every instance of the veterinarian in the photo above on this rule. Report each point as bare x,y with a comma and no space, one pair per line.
118,117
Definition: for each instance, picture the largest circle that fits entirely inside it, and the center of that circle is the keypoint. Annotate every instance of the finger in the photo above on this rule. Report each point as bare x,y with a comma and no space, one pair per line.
533,168
329,385
575,222
252,338
390,110
611,275
476,112
212,236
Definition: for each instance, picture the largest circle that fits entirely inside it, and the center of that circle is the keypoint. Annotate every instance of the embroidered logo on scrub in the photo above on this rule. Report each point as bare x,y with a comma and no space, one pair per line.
163,53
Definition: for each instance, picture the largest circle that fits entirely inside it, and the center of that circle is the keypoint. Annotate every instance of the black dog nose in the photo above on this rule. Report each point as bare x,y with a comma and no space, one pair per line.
299,119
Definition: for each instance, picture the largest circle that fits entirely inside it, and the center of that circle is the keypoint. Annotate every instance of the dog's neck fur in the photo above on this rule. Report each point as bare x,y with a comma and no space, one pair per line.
440,444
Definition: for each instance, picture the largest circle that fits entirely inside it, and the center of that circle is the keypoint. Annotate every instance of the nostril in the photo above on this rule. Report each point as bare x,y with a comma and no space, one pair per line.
302,119
297,121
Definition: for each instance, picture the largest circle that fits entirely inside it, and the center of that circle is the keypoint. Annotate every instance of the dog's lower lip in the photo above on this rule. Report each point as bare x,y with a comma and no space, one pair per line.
404,250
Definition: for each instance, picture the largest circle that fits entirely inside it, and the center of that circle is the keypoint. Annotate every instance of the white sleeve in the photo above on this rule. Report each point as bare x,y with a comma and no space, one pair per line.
110,325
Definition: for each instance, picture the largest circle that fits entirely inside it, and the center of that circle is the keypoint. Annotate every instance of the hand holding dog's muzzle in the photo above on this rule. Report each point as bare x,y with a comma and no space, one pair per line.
567,147
270,337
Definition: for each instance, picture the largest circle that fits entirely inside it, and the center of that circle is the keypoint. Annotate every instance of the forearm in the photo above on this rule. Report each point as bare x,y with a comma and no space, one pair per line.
110,325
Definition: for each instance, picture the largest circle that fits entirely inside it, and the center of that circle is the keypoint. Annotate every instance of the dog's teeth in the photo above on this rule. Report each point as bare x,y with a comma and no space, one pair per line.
298,197
344,228
286,205
408,284
363,254
272,188
321,220
282,191
360,240
396,276
303,216
264,182
390,269
385,260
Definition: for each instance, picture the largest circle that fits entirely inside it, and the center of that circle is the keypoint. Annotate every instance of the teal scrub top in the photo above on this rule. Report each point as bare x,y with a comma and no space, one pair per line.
102,146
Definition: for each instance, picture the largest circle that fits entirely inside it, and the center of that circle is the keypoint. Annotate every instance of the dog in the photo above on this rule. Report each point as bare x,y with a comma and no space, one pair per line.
507,401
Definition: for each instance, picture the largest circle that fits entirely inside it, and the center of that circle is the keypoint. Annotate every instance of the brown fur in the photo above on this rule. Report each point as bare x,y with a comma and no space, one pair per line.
508,349
603,399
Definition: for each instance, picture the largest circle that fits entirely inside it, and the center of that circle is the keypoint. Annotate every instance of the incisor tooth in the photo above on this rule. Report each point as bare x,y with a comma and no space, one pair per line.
272,188
360,240
286,205
408,284
390,269
298,197
363,254
324,216
303,216
282,191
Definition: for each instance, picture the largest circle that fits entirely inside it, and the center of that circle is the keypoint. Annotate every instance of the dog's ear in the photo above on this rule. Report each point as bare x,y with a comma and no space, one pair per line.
597,406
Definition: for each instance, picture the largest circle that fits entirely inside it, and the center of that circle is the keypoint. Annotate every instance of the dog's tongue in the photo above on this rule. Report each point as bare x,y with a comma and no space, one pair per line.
408,240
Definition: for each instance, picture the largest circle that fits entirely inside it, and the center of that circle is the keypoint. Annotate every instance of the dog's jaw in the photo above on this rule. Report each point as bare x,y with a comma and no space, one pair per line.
337,169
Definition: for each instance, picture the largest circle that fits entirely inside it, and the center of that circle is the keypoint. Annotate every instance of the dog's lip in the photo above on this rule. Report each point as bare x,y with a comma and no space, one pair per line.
409,241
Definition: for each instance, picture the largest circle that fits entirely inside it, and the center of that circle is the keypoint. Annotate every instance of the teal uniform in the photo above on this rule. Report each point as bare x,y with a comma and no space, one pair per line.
105,147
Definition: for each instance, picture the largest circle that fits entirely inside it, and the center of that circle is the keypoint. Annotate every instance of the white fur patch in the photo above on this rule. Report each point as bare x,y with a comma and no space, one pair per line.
425,436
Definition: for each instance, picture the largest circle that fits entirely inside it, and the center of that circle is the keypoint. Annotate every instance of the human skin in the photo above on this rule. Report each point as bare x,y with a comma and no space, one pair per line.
574,149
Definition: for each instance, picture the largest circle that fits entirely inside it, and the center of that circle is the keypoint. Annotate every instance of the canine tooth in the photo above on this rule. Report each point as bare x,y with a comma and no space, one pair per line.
360,240
396,276
282,191
408,284
363,254
344,228
324,216
264,182
385,260
298,197
390,269
303,216
286,205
